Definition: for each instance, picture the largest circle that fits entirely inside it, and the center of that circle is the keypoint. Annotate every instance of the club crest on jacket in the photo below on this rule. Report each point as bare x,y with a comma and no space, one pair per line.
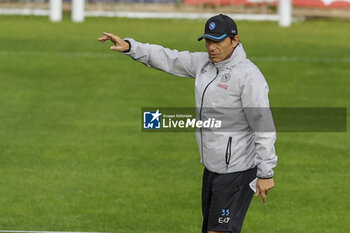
225,78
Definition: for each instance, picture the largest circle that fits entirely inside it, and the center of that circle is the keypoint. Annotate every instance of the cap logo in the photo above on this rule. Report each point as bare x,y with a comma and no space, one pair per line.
212,25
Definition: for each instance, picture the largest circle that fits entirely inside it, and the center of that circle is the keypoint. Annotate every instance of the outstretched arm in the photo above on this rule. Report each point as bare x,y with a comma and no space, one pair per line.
178,63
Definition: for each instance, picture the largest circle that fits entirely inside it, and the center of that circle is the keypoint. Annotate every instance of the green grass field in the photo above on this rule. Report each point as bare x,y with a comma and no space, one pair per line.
73,157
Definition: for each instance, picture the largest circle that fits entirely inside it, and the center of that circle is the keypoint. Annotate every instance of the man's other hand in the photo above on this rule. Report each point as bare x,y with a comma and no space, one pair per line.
119,44
262,188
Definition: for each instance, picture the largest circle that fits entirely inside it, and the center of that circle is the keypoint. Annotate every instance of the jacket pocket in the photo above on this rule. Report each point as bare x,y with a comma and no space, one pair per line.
228,152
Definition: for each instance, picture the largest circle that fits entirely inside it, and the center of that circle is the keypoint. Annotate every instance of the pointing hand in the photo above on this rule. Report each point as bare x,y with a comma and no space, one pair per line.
119,44
263,187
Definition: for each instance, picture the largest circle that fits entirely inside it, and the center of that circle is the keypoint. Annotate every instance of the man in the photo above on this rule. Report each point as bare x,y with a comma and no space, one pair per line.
224,79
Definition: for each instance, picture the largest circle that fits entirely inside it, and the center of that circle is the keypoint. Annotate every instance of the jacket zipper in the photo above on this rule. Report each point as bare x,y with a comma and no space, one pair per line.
228,153
200,112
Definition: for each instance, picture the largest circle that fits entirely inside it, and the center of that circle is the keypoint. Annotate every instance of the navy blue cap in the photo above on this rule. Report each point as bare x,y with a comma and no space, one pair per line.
218,27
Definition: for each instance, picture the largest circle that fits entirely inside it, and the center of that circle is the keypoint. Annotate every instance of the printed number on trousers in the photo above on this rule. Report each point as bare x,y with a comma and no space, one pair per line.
224,218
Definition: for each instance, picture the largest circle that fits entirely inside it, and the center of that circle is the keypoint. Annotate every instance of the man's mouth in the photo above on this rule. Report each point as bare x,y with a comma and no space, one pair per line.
212,55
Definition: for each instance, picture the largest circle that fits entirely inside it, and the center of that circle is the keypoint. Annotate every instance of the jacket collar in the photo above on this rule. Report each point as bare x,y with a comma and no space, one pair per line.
237,56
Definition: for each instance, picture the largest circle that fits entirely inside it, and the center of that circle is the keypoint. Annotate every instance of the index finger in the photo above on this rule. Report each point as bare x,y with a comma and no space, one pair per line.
108,34
111,36
263,197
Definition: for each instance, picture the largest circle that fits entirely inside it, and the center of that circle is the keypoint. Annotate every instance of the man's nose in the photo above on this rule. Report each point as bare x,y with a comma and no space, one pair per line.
211,46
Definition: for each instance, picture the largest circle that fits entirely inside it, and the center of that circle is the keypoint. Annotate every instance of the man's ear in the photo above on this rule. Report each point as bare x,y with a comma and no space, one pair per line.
235,40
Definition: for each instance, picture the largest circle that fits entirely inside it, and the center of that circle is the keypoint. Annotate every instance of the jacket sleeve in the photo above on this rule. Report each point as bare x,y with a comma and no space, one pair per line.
256,107
171,61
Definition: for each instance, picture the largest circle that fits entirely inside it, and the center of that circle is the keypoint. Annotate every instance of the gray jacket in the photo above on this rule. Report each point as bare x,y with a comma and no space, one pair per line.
230,86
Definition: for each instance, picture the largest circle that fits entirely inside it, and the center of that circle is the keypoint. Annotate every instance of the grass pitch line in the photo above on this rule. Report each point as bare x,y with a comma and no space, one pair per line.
14,231
302,59
59,54
109,55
